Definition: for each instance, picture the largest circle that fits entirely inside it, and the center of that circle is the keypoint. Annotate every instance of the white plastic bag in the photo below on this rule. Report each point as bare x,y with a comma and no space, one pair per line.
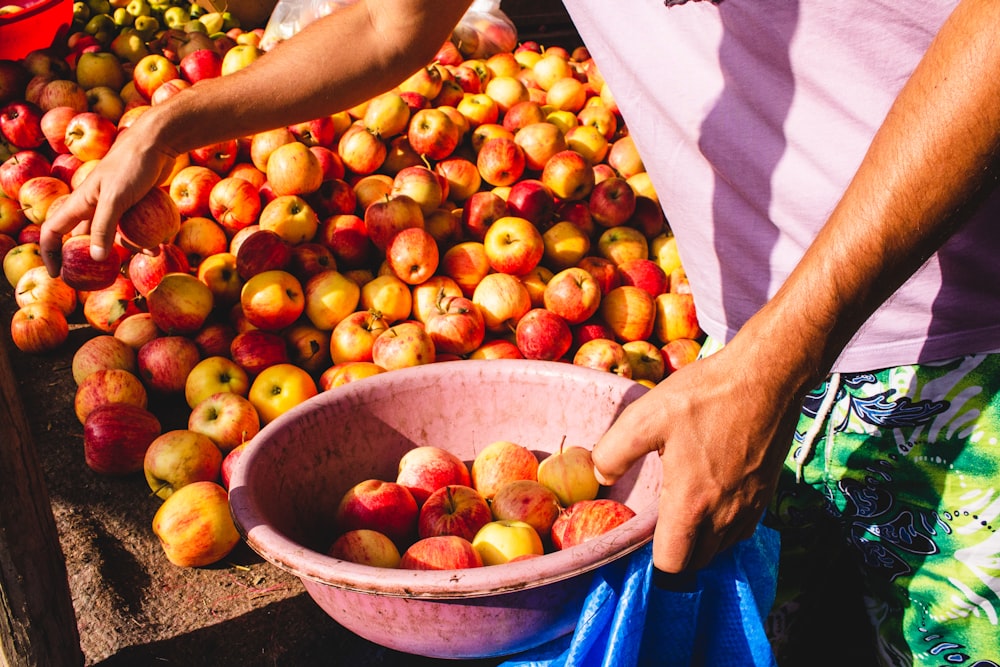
484,29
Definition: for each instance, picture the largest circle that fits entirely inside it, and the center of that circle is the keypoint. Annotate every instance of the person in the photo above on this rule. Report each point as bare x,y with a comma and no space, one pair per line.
827,170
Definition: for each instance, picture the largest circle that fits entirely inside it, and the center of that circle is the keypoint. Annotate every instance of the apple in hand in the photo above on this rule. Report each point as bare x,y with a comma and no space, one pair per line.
569,473
426,468
529,501
116,436
194,525
80,271
365,547
379,505
500,462
502,541
152,220
454,509
587,519
179,457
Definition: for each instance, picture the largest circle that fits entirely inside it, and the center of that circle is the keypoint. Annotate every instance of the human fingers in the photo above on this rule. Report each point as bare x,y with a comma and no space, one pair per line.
72,214
621,446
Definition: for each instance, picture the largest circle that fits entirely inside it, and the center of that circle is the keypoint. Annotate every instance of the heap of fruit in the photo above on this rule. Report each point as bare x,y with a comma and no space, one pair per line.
440,514
485,208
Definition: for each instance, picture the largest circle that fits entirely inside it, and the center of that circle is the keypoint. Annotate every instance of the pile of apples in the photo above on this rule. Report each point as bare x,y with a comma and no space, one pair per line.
491,207
440,514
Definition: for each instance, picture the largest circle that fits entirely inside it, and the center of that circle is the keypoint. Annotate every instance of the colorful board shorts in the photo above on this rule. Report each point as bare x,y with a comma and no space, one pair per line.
899,474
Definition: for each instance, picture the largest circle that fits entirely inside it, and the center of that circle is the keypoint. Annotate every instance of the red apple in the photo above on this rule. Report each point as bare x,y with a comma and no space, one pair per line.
116,436
403,345
480,211
21,124
365,547
194,525
347,237
191,190
179,457
80,271
200,64
441,552
587,519
412,255
256,349
228,419
528,501
261,251
386,217
573,294
235,203
458,327
568,175
603,354
147,270
678,353
152,220
229,463
501,161
20,168
513,245
89,135
379,505
165,362
100,353
427,468
180,303
630,313
544,335
39,327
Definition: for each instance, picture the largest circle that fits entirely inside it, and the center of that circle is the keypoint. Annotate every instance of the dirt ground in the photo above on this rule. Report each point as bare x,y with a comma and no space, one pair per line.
134,607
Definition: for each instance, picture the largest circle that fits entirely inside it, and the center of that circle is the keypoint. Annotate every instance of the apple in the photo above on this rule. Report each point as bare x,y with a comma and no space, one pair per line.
379,505
330,296
261,250
279,388
630,312
12,219
432,133
58,93
427,297
502,541
152,220
513,245
20,168
503,300
309,346
540,141
365,547
422,184
293,169
531,199
106,308
544,335
603,354
53,125
38,194
600,116
589,142
39,327
361,151
235,203
310,258
568,175
478,108
272,300
146,270
648,217
624,158
194,525
346,372
102,352
19,259
220,274
388,216
646,360
200,64
569,473
214,339
612,202
529,501
180,303
565,245
347,237
212,375
227,418
501,161
483,133
89,135
573,294
480,211
589,330
371,188
467,264
80,271
353,336
497,348
151,72
179,457
201,237
412,255
587,519
37,285
644,273
603,270
678,353
165,362
335,196
676,317
238,57
500,462
191,189
389,296
21,124
403,345
229,462
458,328
164,92
330,163
440,552
427,468
116,436
622,243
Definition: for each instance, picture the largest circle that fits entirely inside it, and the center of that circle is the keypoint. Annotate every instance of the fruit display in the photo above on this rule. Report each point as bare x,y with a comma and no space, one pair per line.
442,514
486,207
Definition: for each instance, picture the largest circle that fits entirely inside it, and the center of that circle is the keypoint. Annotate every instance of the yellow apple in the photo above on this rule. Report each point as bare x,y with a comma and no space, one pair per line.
194,525
569,472
278,389
501,541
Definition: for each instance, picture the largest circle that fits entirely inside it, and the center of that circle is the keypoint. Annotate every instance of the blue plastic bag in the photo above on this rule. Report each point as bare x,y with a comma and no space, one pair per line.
628,621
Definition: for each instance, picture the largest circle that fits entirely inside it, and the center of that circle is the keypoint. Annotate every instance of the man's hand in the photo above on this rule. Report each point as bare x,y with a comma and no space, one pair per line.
722,435
118,182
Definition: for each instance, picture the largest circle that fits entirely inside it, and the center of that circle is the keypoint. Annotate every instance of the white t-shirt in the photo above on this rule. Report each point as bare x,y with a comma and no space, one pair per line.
751,117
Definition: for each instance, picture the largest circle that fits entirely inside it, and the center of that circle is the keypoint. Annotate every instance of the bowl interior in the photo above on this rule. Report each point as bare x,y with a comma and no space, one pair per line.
285,491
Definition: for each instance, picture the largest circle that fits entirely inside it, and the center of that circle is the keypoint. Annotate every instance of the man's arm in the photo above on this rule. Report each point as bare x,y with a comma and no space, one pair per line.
724,425
333,64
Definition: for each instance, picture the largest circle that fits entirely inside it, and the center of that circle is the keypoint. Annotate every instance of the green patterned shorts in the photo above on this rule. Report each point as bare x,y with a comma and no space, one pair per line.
899,475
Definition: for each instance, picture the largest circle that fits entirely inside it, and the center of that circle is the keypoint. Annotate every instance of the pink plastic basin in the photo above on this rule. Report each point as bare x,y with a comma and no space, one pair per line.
285,492
37,26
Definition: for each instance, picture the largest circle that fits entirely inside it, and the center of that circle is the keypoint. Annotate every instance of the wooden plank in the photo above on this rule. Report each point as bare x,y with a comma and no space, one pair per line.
37,621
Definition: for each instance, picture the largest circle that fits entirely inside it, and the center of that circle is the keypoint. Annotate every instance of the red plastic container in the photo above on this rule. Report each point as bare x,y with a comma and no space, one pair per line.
39,25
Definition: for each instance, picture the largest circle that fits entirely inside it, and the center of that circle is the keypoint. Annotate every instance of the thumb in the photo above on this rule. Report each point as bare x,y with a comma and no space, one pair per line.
619,448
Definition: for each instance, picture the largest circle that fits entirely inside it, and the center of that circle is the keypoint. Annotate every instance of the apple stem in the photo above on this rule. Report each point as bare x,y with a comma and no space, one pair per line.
156,491
562,443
